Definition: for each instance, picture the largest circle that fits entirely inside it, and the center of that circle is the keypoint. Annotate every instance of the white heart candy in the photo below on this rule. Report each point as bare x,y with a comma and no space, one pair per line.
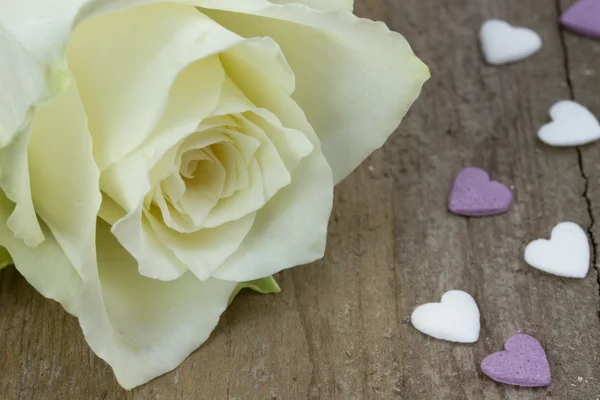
455,318
572,125
503,43
567,253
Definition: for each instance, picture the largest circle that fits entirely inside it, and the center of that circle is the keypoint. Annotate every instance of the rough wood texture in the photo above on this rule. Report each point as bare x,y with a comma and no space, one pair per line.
340,329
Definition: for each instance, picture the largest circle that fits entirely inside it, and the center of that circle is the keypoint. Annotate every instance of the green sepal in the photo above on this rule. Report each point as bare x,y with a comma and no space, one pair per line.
264,286
5,258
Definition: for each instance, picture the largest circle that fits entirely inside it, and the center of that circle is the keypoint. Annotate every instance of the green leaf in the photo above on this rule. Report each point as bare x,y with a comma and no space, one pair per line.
5,259
264,286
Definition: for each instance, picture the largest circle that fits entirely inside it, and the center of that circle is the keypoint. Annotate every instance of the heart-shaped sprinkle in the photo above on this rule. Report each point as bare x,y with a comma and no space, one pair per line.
455,318
567,253
523,363
474,195
583,18
572,125
503,43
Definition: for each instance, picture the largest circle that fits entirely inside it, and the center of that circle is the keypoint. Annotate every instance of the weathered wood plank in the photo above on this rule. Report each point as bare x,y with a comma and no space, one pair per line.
340,329
490,116
582,58
581,63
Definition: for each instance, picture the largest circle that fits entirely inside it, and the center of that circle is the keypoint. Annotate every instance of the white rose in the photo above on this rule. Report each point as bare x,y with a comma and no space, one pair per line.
206,135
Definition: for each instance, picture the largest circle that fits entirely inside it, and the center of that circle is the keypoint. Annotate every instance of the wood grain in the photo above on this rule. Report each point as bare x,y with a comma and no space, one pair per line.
340,329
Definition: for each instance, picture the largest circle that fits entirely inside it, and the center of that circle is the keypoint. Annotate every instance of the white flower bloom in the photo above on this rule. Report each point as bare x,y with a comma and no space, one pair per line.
154,154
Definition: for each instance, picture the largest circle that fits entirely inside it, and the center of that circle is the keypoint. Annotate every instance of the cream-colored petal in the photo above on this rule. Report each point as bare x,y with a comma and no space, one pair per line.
32,67
202,194
274,172
291,229
232,100
142,327
292,145
125,100
247,145
217,121
196,209
110,211
32,71
355,79
194,95
159,323
135,233
241,203
209,176
45,267
15,182
174,218
265,58
64,176
172,188
205,250
238,175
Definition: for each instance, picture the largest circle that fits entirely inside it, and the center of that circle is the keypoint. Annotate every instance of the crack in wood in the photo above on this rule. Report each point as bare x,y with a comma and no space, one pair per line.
585,194
590,227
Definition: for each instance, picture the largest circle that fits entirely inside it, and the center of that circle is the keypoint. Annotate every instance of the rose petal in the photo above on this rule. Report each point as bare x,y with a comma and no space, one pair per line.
274,172
125,100
241,203
15,183
232,100
304,205
355,79
160,323
33,71
45,267
141,327
64,176
193,96
135,233
292,145
290,230
205,250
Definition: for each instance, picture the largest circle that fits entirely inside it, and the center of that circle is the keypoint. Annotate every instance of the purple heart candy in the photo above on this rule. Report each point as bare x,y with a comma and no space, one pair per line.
523,363
583,18
474,195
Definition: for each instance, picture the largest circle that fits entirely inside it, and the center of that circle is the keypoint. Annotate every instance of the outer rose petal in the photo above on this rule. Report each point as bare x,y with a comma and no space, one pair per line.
32,69
55,280
142,327
64,176
14,181
164,321
355,79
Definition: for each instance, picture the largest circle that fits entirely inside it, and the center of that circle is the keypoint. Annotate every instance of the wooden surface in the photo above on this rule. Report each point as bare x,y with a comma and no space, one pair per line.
340,329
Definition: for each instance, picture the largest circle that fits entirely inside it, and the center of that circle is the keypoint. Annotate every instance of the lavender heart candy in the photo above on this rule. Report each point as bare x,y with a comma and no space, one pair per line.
583,18
523,363
474,194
